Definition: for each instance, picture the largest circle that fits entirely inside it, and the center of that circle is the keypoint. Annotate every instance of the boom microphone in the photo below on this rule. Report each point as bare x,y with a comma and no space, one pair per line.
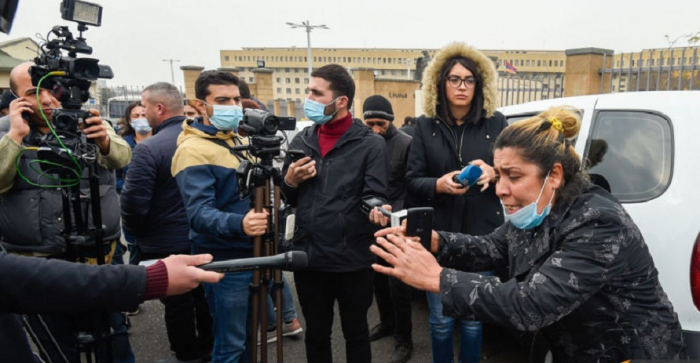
290,261
468,177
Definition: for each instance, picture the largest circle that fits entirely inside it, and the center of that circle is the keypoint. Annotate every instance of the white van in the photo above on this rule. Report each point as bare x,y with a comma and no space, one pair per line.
651,163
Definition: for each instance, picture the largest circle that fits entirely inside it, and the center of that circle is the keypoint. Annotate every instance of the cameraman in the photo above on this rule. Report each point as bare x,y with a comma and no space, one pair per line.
221,223
31,205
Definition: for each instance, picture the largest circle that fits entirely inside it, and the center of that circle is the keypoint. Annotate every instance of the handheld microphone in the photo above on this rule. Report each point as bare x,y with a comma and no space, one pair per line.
289,261
468,177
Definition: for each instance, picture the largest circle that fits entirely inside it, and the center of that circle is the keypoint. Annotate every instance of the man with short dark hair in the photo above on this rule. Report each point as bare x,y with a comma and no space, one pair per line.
153,212
345,161
393,296
221,223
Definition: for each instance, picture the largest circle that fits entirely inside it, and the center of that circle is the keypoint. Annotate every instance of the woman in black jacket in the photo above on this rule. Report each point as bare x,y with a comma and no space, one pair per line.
580,272
458,128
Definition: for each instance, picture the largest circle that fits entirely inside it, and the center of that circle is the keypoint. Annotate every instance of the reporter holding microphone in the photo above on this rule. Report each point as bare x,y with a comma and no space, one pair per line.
579,270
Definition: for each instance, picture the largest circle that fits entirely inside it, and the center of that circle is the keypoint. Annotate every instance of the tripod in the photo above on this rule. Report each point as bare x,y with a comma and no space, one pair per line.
83,235
266,181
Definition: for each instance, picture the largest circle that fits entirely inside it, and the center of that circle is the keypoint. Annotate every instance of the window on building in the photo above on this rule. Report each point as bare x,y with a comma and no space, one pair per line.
404,72
288,80
637,164
297,91
226,58
286,70
306,80
278,80
383,72
539,63
279,90
296,70
289,91
335,59
296,80
250,79
393,72
306,59
550,63
527,62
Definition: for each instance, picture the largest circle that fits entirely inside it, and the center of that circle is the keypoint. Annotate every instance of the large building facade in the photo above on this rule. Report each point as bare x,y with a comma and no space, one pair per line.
290,65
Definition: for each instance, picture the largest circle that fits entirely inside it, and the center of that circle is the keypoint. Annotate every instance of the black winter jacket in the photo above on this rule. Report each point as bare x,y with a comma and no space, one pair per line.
584,278
331,226
398,145
151,204
437,149
38,285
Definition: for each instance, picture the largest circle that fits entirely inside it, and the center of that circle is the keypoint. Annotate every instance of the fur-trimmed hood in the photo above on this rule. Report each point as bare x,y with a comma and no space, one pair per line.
485,67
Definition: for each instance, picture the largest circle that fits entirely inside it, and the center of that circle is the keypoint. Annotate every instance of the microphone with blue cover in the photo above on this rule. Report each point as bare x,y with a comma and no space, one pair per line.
468,176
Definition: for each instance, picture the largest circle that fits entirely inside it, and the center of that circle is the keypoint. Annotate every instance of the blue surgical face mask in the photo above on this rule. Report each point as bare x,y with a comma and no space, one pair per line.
226,117
315,111
527,217
141,126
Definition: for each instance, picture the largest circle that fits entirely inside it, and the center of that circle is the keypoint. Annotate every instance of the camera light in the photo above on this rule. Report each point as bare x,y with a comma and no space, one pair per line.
82,12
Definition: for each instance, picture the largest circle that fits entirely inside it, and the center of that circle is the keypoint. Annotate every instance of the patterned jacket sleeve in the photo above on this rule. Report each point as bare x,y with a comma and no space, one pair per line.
585,261
473,253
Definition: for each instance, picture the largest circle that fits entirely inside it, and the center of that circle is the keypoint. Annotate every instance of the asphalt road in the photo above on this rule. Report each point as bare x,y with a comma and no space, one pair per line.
150,343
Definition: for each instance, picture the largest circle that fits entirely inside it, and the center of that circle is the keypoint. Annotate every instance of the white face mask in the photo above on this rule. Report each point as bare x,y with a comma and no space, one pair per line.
527,217
141,126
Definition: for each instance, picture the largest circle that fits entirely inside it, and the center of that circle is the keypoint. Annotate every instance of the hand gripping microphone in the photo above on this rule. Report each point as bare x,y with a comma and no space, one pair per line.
468,177
290,261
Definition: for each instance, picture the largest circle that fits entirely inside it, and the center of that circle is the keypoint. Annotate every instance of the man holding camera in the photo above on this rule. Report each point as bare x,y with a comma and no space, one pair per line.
31,205
345,161
221,223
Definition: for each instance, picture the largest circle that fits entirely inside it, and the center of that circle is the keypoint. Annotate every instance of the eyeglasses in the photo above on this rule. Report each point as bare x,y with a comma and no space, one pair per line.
375,123
455,82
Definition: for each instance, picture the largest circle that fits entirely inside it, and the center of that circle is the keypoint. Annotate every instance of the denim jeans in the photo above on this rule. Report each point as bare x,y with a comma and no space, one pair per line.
289,313
442,330
229,307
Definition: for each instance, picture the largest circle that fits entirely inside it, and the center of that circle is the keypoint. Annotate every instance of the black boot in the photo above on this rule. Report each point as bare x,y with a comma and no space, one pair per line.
380,331
402,352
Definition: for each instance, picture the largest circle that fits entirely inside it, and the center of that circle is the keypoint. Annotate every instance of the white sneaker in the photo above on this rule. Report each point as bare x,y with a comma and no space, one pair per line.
292,328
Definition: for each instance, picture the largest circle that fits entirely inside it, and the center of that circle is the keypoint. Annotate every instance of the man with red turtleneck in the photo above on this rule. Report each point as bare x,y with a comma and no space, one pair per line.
345,162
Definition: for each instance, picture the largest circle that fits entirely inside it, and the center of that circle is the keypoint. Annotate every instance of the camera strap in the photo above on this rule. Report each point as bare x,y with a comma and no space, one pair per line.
228,147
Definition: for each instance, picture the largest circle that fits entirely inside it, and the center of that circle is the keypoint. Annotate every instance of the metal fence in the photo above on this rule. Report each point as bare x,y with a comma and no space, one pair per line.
521,88
651,70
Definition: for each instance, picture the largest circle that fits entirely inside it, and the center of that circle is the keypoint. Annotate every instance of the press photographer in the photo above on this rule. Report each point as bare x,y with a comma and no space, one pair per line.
57,193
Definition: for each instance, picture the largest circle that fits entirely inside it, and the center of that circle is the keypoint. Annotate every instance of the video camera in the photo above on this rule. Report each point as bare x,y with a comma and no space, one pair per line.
69,78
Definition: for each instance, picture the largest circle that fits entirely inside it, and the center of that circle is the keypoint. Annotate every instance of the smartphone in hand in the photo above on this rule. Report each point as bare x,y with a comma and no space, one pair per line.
295,155
419,223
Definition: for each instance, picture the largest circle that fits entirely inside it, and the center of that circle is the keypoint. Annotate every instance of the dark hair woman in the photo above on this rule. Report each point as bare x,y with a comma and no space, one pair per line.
458,128
579,270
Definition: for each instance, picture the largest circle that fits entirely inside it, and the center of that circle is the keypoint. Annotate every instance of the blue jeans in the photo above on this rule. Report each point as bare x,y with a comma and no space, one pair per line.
229,307
442,330
288,311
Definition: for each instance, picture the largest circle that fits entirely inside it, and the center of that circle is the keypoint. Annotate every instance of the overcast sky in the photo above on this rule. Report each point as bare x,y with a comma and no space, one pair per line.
136,35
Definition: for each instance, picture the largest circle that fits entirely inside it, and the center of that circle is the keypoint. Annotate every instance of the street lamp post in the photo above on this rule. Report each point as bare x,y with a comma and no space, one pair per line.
172,73
307,25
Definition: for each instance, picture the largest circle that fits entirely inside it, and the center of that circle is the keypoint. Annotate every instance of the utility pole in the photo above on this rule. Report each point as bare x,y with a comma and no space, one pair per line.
172,72
307,25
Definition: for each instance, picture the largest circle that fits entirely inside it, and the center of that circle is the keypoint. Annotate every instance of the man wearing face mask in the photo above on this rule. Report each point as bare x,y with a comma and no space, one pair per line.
153,212
345,161
221,223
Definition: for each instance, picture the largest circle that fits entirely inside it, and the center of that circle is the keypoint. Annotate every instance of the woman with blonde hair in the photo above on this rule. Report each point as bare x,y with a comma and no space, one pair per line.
579,270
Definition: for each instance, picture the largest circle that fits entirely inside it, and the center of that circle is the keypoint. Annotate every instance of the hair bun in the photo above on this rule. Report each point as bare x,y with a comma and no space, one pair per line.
565,119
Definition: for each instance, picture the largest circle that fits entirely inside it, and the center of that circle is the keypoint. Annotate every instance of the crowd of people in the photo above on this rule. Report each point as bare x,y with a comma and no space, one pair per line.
532,246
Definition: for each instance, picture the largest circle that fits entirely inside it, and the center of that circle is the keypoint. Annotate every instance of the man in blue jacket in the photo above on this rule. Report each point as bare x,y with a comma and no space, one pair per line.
221,223
153,212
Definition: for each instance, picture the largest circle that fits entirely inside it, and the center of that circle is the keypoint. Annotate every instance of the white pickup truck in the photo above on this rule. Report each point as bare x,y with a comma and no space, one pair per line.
644,147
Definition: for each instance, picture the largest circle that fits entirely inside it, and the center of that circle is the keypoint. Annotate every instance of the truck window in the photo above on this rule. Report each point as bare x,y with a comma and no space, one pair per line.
629,153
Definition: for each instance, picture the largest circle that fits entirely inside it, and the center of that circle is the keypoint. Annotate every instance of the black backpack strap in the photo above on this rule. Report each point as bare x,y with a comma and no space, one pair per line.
229,147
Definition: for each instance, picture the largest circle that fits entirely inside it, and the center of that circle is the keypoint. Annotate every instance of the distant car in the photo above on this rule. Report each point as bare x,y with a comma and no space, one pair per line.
644,147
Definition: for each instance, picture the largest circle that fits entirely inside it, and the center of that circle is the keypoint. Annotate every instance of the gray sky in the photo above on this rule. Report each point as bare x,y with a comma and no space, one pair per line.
136,35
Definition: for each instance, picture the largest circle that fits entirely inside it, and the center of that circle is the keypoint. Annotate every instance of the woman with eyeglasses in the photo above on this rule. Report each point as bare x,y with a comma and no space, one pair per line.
458,128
